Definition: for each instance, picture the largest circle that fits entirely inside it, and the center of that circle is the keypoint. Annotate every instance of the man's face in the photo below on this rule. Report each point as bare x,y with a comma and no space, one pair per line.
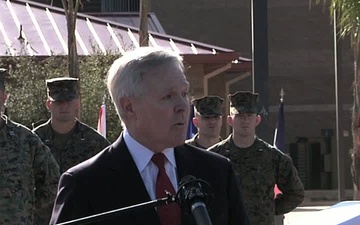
244,124
63,111
161,115
208,126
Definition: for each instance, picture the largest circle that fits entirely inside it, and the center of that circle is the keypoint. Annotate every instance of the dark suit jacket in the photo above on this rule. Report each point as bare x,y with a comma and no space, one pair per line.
110,180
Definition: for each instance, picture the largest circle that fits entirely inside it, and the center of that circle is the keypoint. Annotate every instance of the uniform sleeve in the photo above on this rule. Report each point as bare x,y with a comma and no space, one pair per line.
290,185
237,212
46,172
98,142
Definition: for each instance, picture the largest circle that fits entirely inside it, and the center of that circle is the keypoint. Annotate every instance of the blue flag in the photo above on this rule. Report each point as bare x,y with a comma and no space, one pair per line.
279,136
192,130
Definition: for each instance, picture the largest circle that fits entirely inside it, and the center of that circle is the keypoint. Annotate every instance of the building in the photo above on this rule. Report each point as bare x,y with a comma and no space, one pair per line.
301,61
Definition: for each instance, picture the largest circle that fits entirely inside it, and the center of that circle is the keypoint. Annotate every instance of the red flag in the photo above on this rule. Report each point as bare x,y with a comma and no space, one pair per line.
192,130
102,120
277,190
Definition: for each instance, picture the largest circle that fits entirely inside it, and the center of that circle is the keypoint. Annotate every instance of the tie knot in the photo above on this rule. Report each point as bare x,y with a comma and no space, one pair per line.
159,160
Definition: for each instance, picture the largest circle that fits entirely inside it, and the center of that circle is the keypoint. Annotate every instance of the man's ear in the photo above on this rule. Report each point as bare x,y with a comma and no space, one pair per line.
195,121
230,120
6,97
48,104
258,120
127,106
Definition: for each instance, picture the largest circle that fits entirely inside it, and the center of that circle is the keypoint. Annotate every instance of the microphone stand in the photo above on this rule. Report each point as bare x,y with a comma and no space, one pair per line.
101,216
193,196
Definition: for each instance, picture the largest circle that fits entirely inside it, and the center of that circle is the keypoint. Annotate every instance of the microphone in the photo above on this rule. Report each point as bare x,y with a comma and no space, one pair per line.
193,196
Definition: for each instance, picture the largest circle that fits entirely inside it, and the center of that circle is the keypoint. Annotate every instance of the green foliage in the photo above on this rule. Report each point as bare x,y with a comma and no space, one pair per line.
27,89
348,13
93,70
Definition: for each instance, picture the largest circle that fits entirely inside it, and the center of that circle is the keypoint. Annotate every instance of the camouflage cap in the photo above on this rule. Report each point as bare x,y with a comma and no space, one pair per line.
3,74
243,102
208,105
62,88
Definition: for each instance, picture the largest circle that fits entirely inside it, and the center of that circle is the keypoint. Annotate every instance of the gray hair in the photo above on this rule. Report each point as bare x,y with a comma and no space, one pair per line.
125,76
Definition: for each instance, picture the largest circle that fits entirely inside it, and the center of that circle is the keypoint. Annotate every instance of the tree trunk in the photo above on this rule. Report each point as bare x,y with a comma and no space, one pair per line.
73,63
71,9
143,30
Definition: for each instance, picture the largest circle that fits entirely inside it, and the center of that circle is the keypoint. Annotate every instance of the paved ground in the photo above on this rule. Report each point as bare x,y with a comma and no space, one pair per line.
306,210
302,213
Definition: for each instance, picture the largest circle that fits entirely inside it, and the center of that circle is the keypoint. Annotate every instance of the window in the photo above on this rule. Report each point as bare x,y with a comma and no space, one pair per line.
120,5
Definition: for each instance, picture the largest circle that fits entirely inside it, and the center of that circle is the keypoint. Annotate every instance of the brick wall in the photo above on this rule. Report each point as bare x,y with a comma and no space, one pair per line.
301,59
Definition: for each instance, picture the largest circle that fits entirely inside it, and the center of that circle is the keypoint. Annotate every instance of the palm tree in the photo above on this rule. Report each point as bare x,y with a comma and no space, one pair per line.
348,17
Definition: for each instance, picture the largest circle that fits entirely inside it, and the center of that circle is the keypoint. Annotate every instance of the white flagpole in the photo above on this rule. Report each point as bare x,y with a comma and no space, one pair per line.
102,119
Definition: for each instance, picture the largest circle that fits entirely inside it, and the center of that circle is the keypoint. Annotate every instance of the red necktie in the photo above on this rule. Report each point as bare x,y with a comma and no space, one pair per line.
169,214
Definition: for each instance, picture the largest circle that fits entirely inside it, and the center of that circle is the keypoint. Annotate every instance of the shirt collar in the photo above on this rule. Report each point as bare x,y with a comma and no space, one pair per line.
142,155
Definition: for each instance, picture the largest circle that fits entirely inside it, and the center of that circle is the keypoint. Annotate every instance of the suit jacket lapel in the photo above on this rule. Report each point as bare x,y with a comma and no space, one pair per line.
184,162
185,166
131,188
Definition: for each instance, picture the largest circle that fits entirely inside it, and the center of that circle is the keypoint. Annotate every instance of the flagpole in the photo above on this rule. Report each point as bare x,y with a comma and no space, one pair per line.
101,128
279,139
282,94
260,61
340,152
279,219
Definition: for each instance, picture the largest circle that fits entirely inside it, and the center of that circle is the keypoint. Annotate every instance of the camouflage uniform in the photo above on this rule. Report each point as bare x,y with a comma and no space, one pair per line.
81,143
28,175
84,143
193,141
259,168
205,106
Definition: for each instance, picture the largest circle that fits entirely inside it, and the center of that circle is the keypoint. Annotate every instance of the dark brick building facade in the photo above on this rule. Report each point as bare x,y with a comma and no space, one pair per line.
301,61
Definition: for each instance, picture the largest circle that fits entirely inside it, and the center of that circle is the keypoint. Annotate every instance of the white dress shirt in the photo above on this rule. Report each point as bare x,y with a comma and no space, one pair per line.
147,169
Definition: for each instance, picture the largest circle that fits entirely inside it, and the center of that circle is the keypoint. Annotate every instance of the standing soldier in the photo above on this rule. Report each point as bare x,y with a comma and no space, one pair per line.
70,140
29,173
207,120
258,164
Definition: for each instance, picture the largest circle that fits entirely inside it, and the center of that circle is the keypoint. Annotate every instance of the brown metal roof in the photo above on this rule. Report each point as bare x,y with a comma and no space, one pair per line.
44,32
131,19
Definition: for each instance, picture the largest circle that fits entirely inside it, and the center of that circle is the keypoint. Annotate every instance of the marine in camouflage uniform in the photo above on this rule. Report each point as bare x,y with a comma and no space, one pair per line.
69,140
29,173
208,121
81,141
259,165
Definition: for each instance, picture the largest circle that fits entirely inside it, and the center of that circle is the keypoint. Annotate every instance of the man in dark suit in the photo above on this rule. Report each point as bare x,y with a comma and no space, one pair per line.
150,92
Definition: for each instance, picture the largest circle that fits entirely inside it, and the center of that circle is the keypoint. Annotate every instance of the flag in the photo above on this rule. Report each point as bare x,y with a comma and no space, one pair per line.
279,136
192,130
102,120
